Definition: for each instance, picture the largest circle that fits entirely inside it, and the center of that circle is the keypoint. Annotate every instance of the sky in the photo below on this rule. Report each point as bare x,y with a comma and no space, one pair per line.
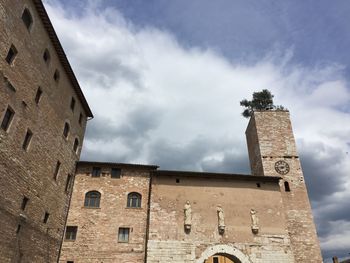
164,80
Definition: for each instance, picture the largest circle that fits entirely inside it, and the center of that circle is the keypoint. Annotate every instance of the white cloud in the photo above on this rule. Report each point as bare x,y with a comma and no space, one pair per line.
153,98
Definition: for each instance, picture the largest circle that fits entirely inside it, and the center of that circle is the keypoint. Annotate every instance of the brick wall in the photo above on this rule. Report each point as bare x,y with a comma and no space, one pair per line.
30,172
97,235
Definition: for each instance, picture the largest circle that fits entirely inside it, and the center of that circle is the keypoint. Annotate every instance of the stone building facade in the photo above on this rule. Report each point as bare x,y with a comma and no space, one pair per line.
142,214
43,116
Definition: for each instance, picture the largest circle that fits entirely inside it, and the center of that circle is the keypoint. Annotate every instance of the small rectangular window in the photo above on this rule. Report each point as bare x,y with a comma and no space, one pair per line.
38,94
11,54
24,203
27,18
116,172
18,229
6,121
46,217
70,261
123,235
9,85
27,140
96,172
76,145
46,56
80,118
56,75
66,130
57,169
71,232
72,104
215,260
68,182
286,186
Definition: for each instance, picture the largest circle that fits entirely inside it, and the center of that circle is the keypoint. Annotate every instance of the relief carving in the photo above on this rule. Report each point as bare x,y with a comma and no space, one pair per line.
255,221
188,215
221,219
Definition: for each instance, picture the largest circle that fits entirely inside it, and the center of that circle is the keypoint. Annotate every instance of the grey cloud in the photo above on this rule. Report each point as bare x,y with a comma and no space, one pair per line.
98,155
233,162
137,124
108,73
179,157
133,133
322,174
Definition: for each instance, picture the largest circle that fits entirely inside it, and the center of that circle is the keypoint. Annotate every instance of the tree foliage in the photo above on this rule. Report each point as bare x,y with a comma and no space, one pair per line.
262,100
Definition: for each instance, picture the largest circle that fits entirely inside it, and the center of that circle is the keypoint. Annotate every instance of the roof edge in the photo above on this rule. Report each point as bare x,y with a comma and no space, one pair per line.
61,54
149,166
217,175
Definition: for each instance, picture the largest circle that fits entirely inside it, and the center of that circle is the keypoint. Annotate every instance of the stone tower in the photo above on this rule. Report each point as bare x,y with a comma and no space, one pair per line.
272,152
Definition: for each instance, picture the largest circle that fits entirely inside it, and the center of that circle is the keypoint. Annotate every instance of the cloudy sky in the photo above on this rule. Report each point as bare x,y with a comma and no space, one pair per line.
164,80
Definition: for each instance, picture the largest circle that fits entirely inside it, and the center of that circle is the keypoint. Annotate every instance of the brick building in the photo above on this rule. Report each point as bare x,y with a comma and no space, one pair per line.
43,116
129,213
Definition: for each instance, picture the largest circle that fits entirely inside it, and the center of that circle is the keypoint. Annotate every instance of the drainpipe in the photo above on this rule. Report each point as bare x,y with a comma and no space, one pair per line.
65,222
148,214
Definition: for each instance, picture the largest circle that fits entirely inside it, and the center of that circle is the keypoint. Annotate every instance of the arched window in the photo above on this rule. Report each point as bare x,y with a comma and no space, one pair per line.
76,145
92,199
134,200
66,130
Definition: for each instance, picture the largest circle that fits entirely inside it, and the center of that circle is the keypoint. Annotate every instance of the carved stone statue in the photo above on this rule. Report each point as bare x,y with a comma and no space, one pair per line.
188,215
221,218
255,221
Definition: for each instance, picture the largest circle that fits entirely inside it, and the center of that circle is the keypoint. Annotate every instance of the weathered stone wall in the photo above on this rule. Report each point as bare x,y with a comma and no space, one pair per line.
97,236
273,131
169,242
30,172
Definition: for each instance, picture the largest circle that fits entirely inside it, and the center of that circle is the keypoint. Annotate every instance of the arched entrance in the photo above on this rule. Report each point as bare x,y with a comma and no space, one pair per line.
223,252
222,258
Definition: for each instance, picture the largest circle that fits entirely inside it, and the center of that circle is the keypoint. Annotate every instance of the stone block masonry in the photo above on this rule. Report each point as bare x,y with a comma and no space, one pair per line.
276,146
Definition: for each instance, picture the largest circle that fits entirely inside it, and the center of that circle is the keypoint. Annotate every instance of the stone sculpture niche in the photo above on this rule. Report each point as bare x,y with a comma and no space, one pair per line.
187,216
221,219
255,221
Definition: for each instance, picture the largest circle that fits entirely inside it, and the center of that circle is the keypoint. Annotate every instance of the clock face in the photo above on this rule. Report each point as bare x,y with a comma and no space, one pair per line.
282,167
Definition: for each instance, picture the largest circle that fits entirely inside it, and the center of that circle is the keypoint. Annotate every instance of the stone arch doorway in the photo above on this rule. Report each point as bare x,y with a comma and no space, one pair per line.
224,251
222,258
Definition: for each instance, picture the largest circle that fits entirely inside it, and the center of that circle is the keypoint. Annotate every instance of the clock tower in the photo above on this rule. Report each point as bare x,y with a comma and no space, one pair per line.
272,152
